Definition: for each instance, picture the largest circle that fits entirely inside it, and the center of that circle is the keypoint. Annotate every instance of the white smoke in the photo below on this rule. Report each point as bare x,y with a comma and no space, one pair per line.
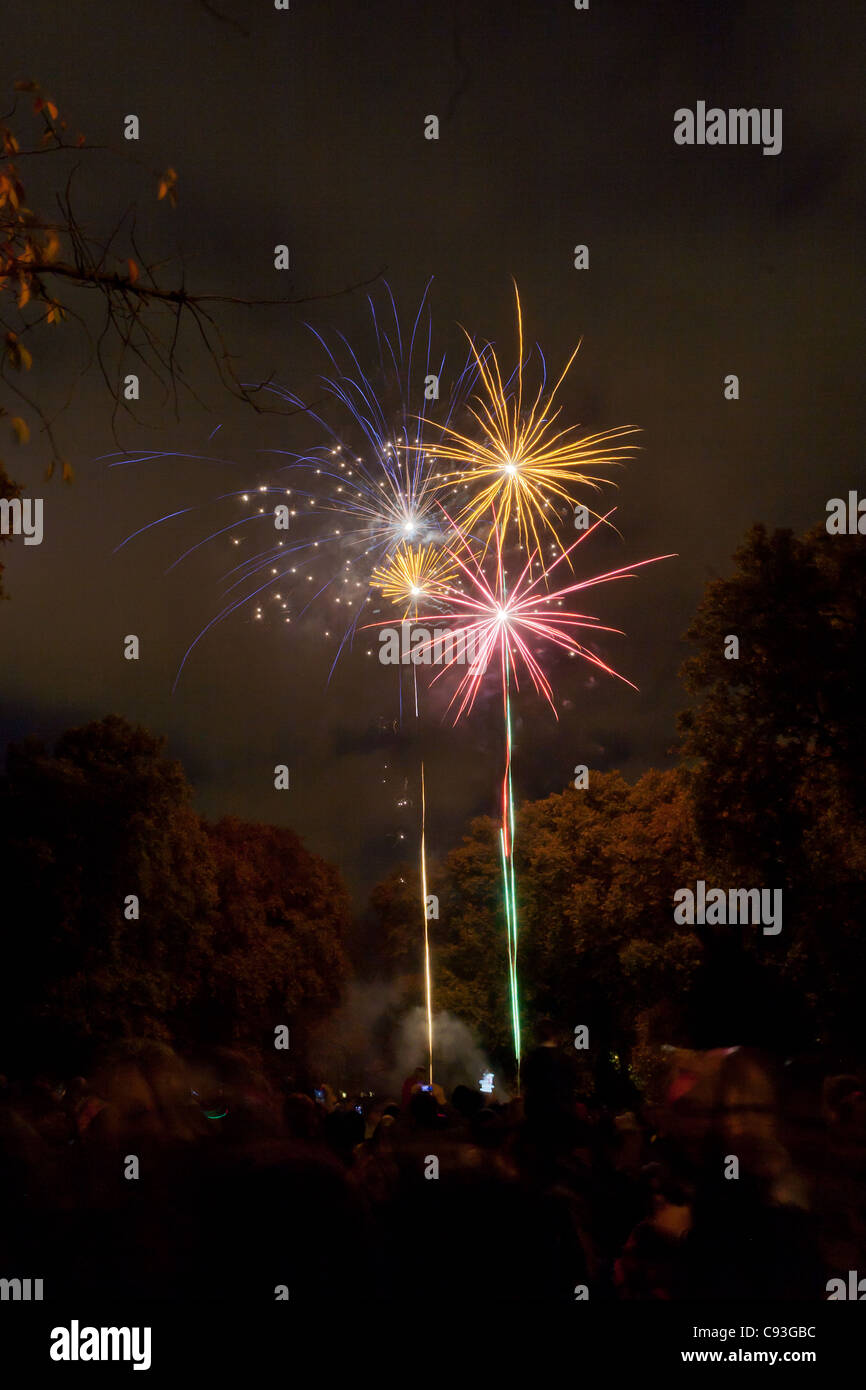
457,1058
372,1042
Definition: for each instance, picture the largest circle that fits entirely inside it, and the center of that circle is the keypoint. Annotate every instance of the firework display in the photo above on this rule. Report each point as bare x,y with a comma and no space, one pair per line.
425,896
373,515
497,625
353,500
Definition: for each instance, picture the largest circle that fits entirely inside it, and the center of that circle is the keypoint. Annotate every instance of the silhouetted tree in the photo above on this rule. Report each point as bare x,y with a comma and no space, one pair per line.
777,743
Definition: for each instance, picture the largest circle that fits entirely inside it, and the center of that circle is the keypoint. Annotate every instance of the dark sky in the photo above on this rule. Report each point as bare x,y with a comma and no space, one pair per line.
556,129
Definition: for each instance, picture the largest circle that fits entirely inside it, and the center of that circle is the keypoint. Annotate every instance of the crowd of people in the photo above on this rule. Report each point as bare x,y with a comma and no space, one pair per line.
169,1177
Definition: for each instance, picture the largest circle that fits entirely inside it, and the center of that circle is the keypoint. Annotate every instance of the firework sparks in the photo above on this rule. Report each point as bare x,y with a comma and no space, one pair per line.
498,626
366,488
524,466
413,573
378,471
428,977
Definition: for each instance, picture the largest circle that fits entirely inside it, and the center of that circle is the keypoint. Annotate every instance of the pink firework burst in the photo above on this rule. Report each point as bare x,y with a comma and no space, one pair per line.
493,622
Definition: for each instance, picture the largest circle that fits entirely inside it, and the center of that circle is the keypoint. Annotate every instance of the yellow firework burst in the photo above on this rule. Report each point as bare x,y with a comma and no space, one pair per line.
522,465
413,573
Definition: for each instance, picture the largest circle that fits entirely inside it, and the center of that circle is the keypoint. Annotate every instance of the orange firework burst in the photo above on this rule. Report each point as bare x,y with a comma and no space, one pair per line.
522,466
412,573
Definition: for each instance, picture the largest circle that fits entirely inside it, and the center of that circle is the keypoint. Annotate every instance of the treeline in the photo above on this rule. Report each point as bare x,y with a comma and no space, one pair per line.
770,791
126,914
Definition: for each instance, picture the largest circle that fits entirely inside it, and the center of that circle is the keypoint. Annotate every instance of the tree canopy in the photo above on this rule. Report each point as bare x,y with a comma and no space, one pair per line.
236,929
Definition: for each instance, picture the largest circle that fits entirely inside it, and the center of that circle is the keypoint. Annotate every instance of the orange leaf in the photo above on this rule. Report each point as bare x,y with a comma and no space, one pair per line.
133,272
52,110
24,296
68,473
26,357
167,185
21,428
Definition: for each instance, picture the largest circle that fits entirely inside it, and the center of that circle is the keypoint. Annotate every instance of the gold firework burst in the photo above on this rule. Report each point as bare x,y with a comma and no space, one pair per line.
522,465
413,573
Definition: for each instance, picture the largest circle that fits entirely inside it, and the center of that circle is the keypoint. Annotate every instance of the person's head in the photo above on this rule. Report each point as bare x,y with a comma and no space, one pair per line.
467,1102
301,1116
843,1098
423,1107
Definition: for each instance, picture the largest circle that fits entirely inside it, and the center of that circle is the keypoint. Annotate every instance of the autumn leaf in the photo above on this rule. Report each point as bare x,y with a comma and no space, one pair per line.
24,296
168,186
68,472
17,354
133,272
21,428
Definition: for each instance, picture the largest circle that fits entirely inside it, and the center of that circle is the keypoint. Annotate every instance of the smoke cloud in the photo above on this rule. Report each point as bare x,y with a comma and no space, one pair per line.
373,1042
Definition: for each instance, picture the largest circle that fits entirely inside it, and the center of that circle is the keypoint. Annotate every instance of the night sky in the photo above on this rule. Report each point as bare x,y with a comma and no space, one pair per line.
556,129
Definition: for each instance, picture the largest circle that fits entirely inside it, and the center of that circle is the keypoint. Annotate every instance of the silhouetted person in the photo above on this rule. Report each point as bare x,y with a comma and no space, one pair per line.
549,1087
418,1078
